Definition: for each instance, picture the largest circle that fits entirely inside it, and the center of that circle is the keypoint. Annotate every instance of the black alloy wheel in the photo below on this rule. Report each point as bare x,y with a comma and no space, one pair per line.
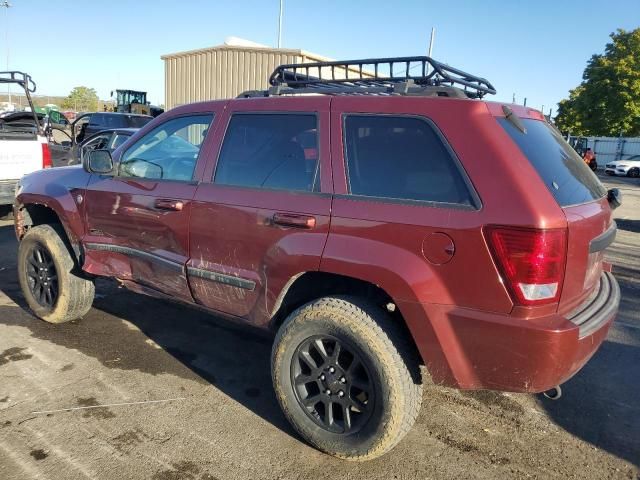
332,384
42,276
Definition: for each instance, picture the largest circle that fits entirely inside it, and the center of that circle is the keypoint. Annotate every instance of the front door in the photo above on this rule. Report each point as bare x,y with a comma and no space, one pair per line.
262,217
138,220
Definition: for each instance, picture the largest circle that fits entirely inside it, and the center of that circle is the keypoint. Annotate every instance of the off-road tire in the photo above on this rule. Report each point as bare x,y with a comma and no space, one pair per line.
75,293
390,357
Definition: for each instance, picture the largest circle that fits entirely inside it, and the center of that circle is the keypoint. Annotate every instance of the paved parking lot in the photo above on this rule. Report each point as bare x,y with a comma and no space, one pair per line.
189,397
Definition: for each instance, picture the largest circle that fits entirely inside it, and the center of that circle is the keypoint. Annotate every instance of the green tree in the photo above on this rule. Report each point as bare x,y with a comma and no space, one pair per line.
82,99
607,102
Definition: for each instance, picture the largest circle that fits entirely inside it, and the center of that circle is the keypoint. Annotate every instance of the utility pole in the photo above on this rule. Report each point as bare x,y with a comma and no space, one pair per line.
6,5
280,24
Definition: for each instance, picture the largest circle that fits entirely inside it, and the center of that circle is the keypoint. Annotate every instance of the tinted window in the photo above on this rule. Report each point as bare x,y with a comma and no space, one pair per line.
168,152
97,119
564,173
137,122
270,151
401,158
108,120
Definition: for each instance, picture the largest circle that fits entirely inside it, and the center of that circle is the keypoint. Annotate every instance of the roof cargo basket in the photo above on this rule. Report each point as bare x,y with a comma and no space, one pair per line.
375,76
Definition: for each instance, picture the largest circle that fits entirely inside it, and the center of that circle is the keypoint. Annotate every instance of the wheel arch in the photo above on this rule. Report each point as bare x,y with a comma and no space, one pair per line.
308,286
32,214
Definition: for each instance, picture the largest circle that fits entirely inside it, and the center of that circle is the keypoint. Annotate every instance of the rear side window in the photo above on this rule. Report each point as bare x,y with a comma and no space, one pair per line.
278,151
404,158
564,173
97,119
137,122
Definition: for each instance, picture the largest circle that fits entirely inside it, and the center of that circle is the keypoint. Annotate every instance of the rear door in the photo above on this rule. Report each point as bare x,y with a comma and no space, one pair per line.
261,217
138,220
404,208
581,196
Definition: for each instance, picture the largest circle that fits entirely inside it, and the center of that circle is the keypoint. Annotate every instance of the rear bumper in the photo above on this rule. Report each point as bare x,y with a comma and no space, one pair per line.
476,350
7,191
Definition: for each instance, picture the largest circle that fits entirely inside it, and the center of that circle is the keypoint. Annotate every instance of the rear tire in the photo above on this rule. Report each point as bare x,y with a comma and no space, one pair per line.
47,276
371,387
634,172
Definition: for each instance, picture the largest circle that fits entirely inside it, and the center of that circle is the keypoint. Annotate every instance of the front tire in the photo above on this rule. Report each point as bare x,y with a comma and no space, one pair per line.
346,377
46,272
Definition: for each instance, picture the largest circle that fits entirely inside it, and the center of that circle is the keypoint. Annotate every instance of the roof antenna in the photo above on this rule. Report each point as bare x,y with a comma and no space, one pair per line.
433,36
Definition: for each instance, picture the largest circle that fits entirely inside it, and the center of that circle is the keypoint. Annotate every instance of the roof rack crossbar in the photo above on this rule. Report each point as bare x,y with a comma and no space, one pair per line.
355,74
20,78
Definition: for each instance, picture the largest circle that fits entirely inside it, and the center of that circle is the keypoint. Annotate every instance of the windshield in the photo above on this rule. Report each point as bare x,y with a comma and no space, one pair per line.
126,97
565,174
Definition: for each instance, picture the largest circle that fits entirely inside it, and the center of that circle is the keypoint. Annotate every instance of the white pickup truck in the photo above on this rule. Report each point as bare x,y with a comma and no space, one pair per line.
23,144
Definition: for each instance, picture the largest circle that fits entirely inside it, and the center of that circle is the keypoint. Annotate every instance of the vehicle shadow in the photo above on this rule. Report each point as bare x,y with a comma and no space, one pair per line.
209,350
628,225
601,404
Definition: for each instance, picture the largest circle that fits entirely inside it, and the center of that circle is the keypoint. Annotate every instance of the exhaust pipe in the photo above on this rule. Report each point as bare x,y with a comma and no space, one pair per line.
553,393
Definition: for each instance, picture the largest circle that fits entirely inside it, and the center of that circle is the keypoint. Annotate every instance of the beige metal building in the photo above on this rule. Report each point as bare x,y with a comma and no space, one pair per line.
225,71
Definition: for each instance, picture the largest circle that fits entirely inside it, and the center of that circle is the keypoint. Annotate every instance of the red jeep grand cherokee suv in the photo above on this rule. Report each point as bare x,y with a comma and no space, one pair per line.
388,220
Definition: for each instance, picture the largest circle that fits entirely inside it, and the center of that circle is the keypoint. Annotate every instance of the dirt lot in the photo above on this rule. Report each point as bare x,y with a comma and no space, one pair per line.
193,399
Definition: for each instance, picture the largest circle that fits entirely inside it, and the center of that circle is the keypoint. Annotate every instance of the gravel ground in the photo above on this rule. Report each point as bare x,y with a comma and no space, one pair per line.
190,397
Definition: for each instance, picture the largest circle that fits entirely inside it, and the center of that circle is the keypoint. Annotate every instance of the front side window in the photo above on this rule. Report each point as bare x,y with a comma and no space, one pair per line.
401,158
278,151
168,152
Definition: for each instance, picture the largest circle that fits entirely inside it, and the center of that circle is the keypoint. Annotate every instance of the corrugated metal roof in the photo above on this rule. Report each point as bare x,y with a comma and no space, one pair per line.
225,71
284,51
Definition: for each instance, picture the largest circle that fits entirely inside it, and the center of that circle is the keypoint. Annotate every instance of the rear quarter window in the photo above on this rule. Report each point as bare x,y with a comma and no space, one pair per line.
565,174
402,158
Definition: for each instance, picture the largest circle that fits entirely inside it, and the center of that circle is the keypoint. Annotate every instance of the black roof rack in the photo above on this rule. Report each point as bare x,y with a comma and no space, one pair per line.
405,76
20,78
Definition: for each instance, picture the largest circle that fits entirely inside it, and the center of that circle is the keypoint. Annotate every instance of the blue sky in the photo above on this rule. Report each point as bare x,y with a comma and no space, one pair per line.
535,49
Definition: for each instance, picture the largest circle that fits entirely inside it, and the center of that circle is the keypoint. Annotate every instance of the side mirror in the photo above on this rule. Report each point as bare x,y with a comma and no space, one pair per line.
614,196
98,161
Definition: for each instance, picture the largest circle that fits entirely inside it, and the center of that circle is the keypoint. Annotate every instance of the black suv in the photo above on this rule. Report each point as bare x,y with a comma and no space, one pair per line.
90,123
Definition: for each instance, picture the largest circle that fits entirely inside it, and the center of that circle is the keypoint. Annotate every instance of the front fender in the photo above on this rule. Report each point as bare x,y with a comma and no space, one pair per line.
60,190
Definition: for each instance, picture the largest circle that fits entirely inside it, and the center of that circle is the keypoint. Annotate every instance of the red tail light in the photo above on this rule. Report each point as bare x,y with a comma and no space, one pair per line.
532,262
46,156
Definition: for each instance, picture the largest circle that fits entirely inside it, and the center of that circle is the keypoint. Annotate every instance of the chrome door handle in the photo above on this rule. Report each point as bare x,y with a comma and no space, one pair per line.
169,204
293,220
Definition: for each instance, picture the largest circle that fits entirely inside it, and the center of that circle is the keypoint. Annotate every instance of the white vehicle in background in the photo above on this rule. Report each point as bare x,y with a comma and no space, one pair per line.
24,147
629,167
